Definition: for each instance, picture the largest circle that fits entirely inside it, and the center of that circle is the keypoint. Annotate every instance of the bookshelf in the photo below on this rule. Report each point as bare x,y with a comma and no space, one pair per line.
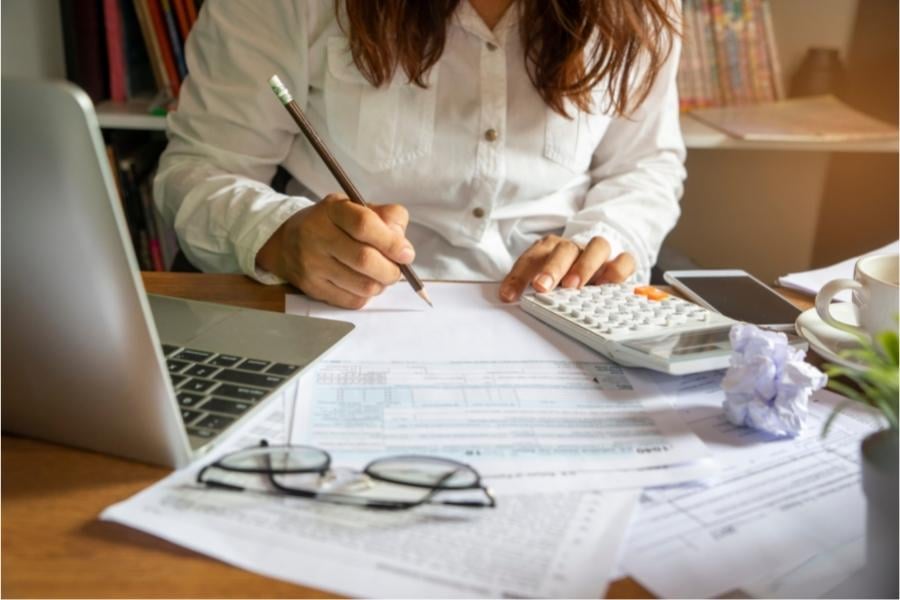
134,115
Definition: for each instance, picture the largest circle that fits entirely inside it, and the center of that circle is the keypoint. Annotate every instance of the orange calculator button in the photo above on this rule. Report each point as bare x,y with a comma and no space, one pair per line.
650,292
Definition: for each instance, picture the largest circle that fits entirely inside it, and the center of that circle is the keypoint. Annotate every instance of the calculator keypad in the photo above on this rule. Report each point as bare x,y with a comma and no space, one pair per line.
623,311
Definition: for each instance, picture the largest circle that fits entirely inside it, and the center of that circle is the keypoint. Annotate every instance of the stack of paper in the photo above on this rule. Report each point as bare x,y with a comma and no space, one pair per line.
767,523
567,441
810,282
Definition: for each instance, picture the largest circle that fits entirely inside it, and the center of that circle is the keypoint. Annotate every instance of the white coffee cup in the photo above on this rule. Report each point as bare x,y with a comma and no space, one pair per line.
875,295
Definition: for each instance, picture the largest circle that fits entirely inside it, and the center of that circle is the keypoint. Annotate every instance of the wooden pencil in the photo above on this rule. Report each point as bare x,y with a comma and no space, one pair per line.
334,166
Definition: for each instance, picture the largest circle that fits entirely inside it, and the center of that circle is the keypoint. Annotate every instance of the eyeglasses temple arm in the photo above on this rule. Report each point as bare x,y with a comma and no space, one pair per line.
217,484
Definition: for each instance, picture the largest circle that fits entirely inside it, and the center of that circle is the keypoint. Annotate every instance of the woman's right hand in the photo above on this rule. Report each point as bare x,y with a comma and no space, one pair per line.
340,252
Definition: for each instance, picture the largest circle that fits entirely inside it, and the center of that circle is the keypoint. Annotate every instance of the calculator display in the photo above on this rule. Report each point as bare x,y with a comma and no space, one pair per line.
688,344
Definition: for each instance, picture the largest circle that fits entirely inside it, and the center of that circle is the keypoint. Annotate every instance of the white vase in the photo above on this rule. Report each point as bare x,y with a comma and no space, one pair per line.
880,484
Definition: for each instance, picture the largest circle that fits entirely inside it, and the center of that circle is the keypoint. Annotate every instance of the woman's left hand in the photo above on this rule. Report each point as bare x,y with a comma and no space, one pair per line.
554,260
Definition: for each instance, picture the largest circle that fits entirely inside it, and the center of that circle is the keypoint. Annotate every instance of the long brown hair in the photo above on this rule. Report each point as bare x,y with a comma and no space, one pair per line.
570,45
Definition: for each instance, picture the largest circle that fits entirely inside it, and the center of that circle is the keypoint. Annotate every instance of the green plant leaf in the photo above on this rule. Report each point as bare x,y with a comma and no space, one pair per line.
878,383
889,343
834,413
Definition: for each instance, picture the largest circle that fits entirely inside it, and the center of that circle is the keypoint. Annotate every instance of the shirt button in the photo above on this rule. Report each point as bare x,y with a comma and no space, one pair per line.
491,46
478,212
491,135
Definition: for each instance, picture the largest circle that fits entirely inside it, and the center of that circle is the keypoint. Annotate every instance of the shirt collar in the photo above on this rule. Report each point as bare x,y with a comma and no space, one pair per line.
469,19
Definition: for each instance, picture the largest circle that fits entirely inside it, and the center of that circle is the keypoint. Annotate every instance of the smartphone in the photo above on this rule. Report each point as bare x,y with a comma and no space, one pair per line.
736,294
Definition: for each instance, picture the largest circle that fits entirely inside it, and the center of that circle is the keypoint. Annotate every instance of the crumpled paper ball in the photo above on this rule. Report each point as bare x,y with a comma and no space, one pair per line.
768,384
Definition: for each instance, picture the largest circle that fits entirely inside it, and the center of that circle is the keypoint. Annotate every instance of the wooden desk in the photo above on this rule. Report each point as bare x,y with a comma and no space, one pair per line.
54,546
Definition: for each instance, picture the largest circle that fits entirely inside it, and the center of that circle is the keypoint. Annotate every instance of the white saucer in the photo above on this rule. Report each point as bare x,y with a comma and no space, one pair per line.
826,340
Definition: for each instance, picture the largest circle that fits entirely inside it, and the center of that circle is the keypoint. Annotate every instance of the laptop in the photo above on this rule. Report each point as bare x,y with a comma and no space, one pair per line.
89,358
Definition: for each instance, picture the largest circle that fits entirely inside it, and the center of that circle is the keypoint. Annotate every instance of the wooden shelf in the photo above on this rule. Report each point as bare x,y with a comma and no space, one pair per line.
697,136
134,114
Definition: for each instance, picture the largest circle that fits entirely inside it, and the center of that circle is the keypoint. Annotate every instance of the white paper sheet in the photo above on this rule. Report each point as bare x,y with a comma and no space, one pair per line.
538,544
811,282
496,415
482,381
816,577
772,508
468,322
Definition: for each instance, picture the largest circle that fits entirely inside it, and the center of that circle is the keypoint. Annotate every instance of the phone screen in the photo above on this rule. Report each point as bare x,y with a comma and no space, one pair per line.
743,299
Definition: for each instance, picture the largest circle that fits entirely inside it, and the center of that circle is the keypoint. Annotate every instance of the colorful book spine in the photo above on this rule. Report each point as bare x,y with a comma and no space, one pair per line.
115,51
153,239
682,78
704,84
720,26
760,49
174,39
729,56
181,13
762,81
774,61
747,75
162,38
712,74
732,40
192,11
156,60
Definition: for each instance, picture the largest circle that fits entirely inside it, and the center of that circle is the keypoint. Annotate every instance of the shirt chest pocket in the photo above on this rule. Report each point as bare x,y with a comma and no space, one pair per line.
572,142
381,128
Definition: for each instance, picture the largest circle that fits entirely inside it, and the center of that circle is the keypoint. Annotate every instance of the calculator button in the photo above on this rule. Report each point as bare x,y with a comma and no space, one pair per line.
544,299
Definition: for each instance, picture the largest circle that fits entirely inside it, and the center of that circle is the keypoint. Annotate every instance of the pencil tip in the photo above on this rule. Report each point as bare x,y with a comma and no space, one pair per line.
424,296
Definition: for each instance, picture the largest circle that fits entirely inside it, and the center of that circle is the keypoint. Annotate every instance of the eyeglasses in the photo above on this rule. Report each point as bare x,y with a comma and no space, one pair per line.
392,483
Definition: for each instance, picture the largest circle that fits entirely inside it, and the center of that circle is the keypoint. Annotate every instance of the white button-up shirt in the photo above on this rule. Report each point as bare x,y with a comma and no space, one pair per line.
483,165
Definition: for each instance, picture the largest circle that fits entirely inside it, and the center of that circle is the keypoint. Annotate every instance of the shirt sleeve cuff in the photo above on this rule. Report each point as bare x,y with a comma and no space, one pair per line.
262,232
618,243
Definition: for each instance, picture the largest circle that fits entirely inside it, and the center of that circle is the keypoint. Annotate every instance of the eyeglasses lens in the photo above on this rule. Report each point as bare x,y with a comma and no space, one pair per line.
424,472
276,459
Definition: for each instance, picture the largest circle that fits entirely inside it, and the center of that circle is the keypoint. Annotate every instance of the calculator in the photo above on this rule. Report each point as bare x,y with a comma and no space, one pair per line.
639,326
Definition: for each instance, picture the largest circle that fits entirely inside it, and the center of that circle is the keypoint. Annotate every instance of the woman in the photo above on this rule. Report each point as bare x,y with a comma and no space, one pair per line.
533,141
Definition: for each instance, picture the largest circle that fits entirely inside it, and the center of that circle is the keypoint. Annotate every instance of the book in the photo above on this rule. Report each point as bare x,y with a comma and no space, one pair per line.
139,77
728,54
135,161
707,92
184,24
115,51
813,119
153,50
711,74
772,46
175,40
192,11
150,222
154,8
85,43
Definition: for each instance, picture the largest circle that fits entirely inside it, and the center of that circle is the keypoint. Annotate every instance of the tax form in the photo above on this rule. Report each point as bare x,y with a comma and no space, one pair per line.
483,382
776,506
492,414
531,545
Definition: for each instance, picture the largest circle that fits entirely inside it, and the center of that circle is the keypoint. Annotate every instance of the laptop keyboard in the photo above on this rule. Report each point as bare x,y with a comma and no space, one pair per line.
214,390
